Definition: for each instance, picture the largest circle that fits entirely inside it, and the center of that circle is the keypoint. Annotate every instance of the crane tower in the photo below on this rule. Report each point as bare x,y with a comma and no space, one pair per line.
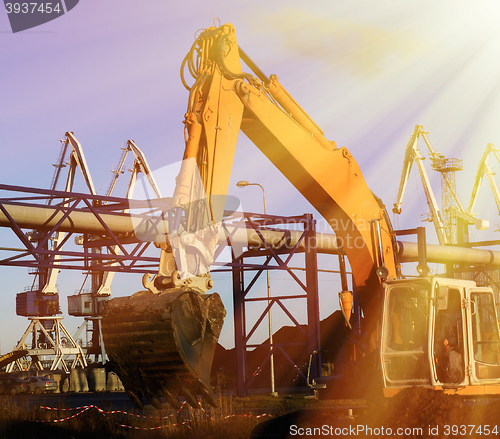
449,201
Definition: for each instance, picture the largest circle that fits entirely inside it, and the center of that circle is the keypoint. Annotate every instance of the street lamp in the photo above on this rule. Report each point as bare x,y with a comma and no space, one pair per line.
241,184
244,183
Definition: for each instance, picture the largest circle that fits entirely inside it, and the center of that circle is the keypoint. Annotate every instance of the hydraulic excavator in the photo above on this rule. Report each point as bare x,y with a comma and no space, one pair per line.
161,341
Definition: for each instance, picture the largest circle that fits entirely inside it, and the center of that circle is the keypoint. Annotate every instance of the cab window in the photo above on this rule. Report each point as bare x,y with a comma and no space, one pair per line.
405,358
484,329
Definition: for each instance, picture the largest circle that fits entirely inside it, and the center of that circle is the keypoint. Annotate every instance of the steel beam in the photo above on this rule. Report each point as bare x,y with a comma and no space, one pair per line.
313,329
289,244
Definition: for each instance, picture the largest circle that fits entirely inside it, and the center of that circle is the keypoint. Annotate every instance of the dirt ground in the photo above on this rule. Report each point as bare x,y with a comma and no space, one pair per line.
413,413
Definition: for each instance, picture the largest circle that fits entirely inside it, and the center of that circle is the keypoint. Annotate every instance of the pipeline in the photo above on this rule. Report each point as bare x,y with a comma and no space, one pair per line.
124,224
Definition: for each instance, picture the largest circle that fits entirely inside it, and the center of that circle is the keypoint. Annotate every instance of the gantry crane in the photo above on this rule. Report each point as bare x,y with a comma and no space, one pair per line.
90,305
49,337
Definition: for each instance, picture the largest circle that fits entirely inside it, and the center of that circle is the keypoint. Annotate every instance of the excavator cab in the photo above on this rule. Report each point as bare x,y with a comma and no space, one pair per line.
405,333
483,337
440,333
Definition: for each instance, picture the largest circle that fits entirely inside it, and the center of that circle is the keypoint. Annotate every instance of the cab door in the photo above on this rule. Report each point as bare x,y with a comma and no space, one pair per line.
404,338
448,343
483,337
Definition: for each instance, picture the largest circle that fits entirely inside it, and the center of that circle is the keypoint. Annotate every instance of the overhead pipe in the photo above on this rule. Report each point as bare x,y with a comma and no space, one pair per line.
123,224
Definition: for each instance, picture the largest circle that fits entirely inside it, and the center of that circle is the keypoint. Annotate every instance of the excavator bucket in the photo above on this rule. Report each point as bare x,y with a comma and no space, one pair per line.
162,345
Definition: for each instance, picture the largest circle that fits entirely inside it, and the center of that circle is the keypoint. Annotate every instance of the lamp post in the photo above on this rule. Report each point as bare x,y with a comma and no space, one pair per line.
241,184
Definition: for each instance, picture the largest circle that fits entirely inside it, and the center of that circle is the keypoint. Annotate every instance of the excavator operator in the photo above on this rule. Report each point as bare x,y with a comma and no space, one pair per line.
445,338
444,342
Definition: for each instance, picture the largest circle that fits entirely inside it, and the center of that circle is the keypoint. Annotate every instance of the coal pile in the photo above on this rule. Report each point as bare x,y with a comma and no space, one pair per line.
416,408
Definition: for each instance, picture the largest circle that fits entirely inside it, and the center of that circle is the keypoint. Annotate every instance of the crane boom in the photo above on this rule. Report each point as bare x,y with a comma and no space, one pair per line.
77,159
482,169
140,165
412,154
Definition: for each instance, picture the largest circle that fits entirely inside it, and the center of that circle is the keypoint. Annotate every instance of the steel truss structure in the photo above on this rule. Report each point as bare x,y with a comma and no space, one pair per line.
21,208
49,337
76,213
276,257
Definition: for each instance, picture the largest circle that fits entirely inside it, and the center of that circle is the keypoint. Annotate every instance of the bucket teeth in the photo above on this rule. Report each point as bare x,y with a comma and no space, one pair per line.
155,402
136,400
190,399
171,399
163,344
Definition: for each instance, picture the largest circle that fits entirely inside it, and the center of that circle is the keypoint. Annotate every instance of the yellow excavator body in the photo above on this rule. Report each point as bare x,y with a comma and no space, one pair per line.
162,341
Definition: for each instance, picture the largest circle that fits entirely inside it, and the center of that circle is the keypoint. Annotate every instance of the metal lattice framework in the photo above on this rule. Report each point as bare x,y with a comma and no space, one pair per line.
447,167
72,212
275,258
48,338
104,225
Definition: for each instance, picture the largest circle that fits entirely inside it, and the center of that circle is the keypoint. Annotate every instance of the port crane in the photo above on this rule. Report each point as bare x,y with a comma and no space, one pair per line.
90,305
444,229
483,169
49,337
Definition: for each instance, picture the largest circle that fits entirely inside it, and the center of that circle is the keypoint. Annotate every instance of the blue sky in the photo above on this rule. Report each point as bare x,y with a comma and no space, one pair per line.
366,72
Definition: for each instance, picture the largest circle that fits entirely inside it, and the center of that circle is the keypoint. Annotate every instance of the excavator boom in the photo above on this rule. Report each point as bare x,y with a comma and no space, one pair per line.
162,340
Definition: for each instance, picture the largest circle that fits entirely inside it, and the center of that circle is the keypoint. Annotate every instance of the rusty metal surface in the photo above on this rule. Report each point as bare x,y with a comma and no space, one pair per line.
162,345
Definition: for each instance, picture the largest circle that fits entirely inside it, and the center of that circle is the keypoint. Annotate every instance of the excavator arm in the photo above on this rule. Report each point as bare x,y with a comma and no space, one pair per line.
162,340
328,177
